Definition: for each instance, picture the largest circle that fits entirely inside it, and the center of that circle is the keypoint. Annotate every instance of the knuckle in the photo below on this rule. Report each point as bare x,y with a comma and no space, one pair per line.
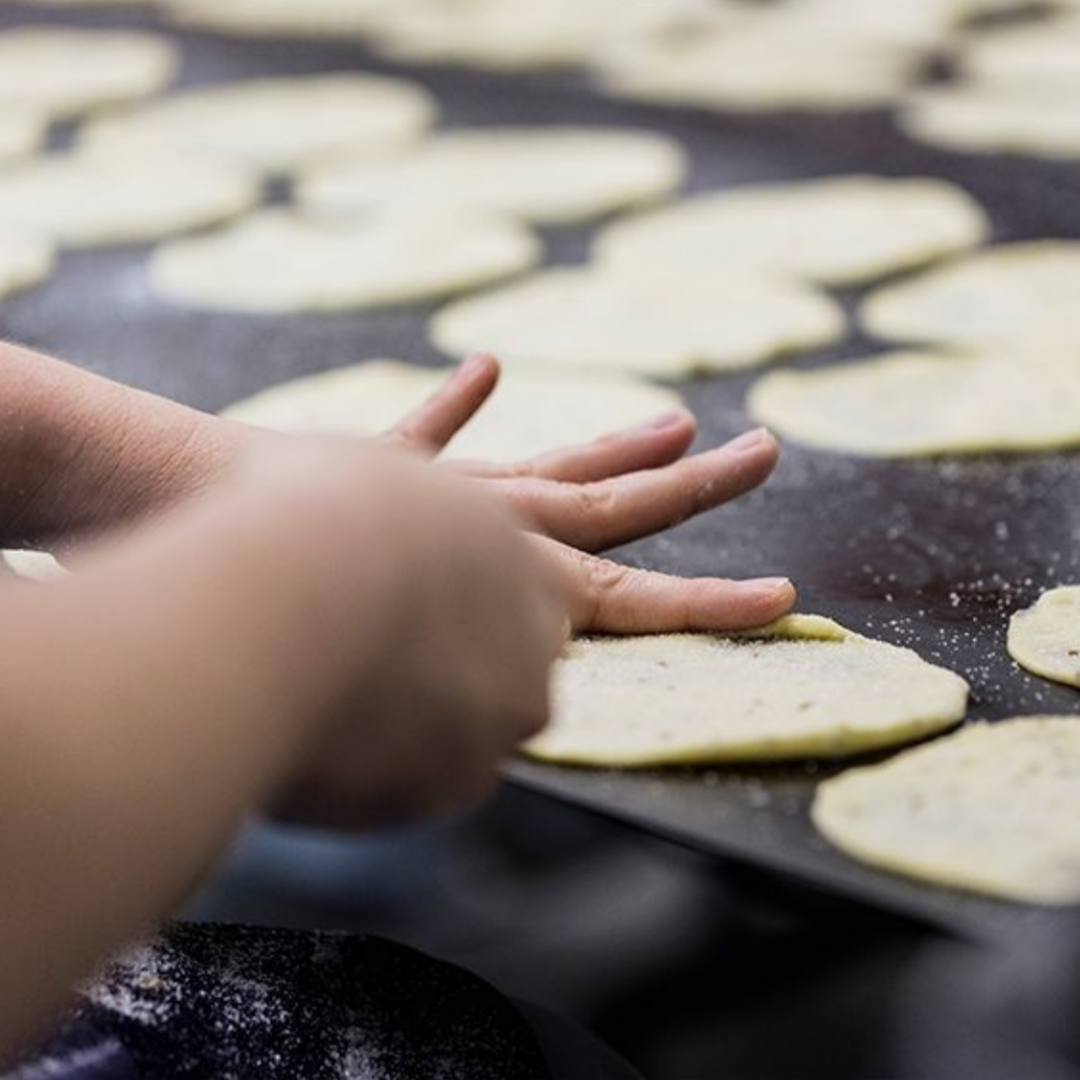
595,500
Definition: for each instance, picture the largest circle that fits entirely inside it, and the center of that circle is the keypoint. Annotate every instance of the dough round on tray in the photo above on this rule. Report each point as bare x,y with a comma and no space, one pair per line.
1045,639
545,174
801,68
662,324
918,404
65,72
89,199
25,260
286,18
991,809
1015,294
275,262
804,687
1044,53
839,230
275,124
22,131
1036,121
530,413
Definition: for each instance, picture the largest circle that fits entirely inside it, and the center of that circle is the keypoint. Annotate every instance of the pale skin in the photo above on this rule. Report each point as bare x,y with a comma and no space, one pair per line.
333,631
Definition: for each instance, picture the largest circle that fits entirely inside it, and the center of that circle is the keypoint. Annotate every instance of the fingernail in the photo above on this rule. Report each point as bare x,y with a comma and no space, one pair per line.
751,440
664,421
768,586
473,364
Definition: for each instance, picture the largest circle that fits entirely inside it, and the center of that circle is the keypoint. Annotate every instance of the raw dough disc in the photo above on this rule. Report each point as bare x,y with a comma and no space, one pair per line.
990,118
804,687
839,231
1045,639
917,404
1045,53
33,565
276,124
21,133
285,18
545,174
67,72
662,324
802,68
991,809
25,260
531,411
1019,294
275,262
90,199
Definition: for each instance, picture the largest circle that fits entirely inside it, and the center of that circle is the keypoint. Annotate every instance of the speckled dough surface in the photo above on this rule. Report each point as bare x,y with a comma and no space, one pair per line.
1045,639
994,809
805,687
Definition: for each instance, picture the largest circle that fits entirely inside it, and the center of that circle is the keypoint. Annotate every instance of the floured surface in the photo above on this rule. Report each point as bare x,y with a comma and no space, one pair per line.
994,809
530,413
25,260
275,262
1039,121
1015,294
658,323
547,174
68,72
276,124
839,231
97,199
805,687
1045,639
799,69
918,404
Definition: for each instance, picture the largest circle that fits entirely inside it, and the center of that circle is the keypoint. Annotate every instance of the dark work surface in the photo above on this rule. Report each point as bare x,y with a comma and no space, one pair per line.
932,555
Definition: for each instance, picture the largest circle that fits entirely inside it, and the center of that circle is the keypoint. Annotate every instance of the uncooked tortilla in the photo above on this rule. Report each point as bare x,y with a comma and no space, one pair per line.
839,231
804,687
274,262
1045,639
275,124
22,131
918,404
65,72
991,809
986,118
802,68
25,260
33,565
545,174
1044,53
530,413
1016,294
95,199
285,18
662,324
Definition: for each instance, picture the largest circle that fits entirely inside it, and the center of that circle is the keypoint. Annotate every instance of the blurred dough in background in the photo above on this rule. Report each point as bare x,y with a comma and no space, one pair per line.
838,230
1045,639
918,404
33,565
275,262
285,18
1046,53
554,174
991,809
532,412
804,687
276,124
90,199
25,260
655,321
1018,294
22,132
66,72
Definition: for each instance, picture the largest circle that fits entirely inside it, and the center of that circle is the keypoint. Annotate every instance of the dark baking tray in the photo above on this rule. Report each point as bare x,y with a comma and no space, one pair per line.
932,555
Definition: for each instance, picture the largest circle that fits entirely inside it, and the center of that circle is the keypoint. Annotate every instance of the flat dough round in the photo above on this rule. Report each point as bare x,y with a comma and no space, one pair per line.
839,230
546,174
1045,639
919,404
274,262
67,72
661,324
1017,294
530,413
285,18
1044,53
21,133
804,687
276,124
33,565
85,199
991,809
992,119
25,260
799,69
